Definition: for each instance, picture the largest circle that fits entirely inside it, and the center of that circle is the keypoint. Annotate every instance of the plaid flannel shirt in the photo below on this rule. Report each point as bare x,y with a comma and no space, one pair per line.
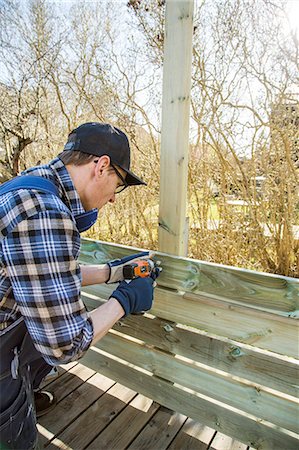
40,278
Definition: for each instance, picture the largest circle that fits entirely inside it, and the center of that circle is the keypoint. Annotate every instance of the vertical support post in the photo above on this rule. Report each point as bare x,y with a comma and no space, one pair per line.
173,224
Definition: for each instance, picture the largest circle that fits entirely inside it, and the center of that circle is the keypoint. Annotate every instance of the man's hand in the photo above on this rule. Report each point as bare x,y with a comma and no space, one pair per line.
116,266
135,296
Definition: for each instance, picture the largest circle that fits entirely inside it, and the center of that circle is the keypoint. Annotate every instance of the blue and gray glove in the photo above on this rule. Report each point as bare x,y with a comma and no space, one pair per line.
137,295
116,266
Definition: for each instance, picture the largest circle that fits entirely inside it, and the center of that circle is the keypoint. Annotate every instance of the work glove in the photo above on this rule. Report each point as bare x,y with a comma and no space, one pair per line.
137,295
116,266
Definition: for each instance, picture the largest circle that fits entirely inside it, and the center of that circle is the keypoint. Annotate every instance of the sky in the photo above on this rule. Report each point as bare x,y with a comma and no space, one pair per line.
293,14
292,8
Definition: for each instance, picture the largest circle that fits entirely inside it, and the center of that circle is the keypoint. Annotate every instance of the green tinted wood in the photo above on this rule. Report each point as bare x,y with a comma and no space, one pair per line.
271,370
279,373
231,304
218,281
238,322
246,429
249,398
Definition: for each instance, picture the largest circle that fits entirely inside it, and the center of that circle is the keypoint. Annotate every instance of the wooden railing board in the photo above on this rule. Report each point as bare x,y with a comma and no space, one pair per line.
247,397
222,282
237,327
245,428
264,330
230,356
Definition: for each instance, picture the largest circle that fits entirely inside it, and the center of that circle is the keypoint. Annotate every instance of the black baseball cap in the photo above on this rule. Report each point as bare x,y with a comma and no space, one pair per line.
101,139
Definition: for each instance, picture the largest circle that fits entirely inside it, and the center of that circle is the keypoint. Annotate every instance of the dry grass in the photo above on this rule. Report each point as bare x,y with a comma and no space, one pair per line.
243,225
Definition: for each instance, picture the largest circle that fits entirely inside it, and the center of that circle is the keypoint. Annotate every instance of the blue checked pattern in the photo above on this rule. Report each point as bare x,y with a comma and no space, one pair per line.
40,277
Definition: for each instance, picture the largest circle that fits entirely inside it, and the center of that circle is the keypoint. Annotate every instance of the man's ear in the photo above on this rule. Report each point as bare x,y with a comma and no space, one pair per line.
102,164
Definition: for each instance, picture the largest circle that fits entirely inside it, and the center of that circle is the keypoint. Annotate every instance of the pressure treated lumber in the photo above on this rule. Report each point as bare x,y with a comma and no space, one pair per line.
237,359
173,226
232,284
222,442
268,369
237,322
210,354
70,381
245,428
69,408
118,435
160,431
70,378
246,397
91,422
193,436
264,330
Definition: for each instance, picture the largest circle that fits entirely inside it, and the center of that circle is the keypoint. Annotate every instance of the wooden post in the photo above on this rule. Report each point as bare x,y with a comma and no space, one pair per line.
173,224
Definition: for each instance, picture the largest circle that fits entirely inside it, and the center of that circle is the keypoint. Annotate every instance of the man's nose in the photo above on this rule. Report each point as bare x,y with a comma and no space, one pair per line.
112,199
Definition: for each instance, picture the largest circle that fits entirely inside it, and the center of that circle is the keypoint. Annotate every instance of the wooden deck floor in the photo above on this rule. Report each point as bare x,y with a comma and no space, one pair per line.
95,412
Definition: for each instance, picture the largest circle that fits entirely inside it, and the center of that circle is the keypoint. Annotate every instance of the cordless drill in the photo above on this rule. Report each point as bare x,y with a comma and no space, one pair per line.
142,268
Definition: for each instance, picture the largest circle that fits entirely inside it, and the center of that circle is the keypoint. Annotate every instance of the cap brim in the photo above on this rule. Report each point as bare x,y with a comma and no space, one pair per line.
132,179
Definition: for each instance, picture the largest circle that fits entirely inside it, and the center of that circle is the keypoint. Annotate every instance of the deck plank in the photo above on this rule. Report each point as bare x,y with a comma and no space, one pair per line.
160,431
223,442
127,425
61,370
87,425
72,406
70,380
193,436
70,377
95,412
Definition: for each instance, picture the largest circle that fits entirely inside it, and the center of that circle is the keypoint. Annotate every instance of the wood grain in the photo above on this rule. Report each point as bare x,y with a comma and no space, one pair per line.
258,434
268,369
262,329
257,289
193,436
160,431
249,398
173,225
71,406
126,426
237,321
91,422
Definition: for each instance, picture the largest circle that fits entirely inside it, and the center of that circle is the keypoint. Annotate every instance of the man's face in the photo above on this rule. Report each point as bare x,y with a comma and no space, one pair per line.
110,181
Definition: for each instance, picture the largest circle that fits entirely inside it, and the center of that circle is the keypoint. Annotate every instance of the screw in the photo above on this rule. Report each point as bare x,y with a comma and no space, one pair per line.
236,352
193,269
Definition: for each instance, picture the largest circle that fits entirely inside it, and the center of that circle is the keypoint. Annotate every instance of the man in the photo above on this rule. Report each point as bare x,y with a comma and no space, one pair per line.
43,321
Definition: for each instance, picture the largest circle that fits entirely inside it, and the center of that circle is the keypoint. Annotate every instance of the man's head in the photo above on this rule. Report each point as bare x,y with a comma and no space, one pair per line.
101,154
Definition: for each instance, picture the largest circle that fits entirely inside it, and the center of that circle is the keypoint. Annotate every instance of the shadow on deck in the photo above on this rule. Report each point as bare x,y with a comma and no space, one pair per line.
95,412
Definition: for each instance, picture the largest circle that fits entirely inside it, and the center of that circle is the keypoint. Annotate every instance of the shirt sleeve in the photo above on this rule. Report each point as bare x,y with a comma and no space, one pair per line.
41,258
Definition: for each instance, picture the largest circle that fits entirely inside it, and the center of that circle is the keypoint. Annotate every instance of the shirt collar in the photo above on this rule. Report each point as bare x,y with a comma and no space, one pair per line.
56,171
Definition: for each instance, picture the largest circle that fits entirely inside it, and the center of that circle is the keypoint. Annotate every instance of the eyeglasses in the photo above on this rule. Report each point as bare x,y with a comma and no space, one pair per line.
120,187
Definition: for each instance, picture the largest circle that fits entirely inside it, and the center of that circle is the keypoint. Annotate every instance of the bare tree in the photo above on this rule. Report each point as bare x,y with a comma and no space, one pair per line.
244,64
62,68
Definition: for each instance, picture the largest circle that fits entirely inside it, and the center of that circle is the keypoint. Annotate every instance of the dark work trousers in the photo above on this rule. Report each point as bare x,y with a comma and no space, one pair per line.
21,370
